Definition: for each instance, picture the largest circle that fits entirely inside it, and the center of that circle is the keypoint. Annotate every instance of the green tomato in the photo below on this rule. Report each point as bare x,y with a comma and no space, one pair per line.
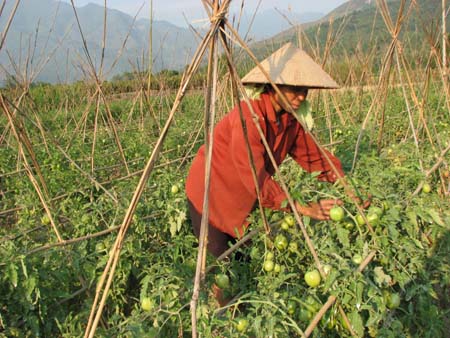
290,220
305,315
313,304
254,252
175,189
277,268
99,247
373,219
242,324
349,225
284,225
269,265
360,220
293,246
376,210
281,242
357,259
392,300
222,281
270,256
147,304
337,213
291,306
426,188
312,278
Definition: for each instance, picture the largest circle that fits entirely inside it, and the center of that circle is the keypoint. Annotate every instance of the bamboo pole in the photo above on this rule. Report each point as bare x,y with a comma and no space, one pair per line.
444,37
8,24
211,87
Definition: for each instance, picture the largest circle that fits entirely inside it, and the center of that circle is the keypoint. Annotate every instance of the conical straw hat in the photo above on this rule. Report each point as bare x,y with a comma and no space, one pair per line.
291,66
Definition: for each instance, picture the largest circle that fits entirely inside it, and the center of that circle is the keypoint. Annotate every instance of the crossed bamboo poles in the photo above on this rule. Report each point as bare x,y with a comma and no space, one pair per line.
218,21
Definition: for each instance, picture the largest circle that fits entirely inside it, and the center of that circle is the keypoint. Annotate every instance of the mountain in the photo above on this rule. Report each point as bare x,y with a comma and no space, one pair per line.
48,28
269,22
51,27
362,28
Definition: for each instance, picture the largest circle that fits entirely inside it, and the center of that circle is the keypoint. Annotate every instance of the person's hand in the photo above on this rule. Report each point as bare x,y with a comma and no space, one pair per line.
318,210
363,203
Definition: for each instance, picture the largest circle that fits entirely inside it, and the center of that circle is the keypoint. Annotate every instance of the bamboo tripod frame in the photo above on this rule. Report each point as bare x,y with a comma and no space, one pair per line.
221,31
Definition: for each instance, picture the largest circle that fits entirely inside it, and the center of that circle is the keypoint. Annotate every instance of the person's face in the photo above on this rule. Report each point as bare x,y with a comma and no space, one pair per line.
294,95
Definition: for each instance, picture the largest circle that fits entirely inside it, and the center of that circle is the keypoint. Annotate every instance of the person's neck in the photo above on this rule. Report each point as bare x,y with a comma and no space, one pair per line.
276,106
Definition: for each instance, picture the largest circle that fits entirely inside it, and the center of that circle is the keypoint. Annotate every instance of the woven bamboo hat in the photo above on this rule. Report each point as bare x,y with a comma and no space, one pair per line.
290,65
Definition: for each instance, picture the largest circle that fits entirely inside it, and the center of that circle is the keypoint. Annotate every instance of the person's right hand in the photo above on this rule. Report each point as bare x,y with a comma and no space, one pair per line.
318,210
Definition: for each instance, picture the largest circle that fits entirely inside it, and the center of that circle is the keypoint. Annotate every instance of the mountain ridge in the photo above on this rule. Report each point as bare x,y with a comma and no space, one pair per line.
172,47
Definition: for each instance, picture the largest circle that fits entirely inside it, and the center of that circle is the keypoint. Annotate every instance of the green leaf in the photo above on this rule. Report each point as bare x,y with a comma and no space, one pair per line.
144,286
381,277
435,216
306,220
12,274
30,285
357,323
173,227
332,276
412,217
342,235
359,294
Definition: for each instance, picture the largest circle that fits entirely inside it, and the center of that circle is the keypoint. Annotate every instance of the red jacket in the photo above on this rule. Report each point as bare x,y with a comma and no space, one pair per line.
232,189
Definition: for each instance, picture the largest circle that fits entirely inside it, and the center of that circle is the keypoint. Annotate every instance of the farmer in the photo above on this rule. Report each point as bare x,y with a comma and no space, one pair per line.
232,195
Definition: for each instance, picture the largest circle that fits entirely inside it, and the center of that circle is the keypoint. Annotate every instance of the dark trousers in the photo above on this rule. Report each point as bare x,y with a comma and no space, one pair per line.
217,240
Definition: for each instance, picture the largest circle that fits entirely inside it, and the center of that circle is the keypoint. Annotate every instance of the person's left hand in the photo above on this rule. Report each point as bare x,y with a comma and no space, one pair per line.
318,210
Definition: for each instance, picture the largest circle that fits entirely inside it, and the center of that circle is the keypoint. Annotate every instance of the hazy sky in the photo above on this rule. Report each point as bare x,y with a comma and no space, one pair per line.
173,10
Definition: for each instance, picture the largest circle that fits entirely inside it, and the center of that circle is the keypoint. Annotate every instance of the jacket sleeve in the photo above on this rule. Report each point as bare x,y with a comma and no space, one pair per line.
271,193
308,155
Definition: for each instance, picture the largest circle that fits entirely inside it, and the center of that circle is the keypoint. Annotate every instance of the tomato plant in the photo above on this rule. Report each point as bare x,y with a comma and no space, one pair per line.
89,196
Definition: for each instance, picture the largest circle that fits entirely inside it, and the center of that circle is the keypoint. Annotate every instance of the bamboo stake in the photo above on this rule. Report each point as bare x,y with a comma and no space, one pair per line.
411,122
444,37
71,241
150,50
8,24
211,88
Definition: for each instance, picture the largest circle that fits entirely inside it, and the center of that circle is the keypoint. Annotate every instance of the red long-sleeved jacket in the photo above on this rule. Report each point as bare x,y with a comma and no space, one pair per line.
232,189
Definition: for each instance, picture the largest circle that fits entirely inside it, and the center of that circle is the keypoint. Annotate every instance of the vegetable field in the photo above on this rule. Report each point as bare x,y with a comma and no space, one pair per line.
73,158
